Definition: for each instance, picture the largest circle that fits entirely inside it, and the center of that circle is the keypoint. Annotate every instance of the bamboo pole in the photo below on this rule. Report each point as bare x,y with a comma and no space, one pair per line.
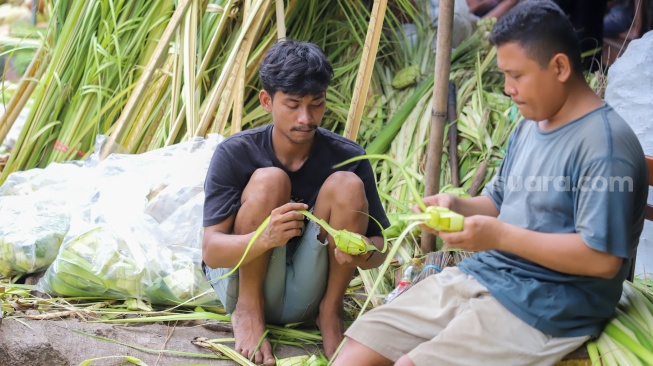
25,88
189,89
365,69
453,135
281,20
212,100
439,111
237,113
157,57
228,95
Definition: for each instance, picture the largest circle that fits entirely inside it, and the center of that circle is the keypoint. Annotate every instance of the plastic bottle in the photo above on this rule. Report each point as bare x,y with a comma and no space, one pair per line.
407,278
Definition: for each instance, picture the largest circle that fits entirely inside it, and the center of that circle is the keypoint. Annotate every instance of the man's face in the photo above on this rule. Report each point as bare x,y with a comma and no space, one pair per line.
538,91
295,117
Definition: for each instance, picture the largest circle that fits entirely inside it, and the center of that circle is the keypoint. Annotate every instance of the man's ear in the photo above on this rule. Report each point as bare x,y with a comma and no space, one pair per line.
562,67
266,100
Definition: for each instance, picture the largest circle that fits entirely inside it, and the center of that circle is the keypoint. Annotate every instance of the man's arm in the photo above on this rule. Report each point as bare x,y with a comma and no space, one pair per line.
480,205
566,253
369,260
222,249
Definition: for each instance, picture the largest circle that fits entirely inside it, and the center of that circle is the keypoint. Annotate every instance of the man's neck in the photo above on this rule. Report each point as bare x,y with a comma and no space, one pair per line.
581,100
290,154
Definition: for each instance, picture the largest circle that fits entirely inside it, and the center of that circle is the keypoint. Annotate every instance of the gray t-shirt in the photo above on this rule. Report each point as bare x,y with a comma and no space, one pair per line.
587,177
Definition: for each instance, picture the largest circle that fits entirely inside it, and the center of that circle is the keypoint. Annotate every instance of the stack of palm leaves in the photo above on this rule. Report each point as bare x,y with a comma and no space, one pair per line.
153,74
628,338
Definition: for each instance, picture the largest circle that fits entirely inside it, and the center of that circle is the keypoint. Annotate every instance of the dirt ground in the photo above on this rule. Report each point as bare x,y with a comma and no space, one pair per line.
60,343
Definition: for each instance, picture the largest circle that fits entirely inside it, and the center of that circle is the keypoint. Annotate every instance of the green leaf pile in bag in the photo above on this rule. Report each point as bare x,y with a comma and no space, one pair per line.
30,235
177,278
99,262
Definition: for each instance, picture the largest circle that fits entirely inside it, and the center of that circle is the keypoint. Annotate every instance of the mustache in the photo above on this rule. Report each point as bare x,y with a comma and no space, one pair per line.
307,128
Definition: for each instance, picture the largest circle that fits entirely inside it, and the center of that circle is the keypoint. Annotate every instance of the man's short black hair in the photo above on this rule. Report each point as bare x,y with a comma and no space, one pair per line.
294,67
542,29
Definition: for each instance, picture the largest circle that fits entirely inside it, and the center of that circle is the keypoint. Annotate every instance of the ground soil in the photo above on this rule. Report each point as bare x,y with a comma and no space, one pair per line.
60,343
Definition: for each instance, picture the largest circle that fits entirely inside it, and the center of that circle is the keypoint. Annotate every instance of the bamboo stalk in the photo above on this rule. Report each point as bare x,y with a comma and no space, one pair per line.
25,88
439,112
189,89
207,58
217,36
453,135
237,113
281,20
478,178
365,69
148,73
226,102
216,93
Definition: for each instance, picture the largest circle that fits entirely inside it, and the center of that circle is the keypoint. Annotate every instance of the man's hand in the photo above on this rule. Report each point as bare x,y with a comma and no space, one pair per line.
285,223
439,200
353,260
479,233
445,200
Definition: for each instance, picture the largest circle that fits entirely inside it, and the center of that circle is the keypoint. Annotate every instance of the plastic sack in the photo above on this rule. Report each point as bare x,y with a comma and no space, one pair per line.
176,278
630,88
63,178
145,218
31,234
99,262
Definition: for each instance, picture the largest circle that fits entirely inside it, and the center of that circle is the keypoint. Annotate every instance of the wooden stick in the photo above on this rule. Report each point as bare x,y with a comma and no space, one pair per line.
157,57
439,111
478,178
365,69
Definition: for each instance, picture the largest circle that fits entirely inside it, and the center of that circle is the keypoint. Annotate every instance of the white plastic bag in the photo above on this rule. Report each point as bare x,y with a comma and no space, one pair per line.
630,88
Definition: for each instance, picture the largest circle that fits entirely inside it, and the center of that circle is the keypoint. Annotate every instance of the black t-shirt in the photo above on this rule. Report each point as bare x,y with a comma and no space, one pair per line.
236,158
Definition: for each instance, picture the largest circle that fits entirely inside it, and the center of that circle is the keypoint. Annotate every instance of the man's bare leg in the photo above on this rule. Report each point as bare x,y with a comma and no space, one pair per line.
267,189
355,353
340,202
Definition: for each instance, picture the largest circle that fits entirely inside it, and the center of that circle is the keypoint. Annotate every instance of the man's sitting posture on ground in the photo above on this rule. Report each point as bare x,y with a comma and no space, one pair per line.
293,271
555,229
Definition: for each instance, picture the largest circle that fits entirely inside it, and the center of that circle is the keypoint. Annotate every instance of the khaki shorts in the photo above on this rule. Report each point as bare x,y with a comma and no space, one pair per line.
451,319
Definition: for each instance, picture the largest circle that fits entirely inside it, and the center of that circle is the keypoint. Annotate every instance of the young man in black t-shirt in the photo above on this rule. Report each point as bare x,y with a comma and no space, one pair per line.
293,272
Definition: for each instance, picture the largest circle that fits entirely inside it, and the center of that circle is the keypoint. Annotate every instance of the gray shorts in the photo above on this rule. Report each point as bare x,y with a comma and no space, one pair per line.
295,282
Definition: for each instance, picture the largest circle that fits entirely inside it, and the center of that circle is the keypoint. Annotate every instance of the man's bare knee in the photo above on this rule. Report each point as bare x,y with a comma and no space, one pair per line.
345,188
404,361
267,185
355,353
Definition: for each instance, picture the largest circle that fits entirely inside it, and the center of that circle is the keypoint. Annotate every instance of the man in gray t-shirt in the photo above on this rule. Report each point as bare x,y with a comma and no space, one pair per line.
583,180
555,229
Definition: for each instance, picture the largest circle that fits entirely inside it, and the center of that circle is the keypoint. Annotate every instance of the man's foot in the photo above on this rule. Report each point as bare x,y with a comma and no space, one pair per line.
249,326
332,328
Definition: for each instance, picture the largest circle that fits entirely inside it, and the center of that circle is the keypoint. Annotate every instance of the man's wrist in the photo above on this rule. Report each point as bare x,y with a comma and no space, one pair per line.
370,256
